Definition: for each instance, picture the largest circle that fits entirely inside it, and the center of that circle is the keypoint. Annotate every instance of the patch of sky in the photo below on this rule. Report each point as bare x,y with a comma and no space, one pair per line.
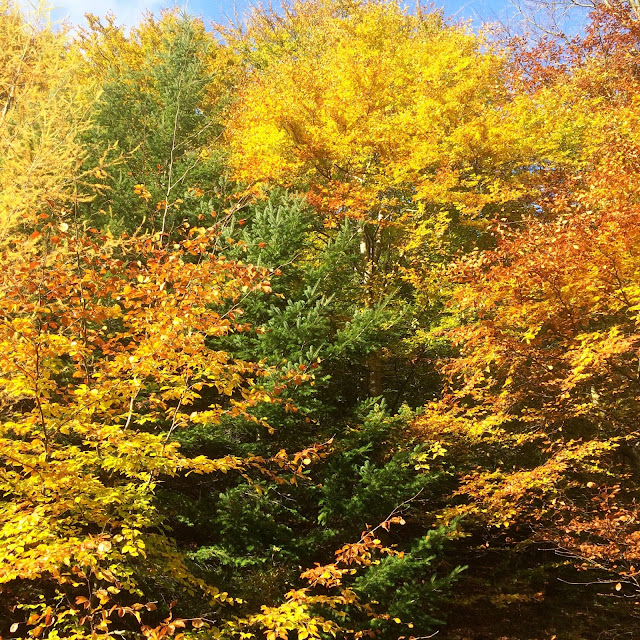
507,14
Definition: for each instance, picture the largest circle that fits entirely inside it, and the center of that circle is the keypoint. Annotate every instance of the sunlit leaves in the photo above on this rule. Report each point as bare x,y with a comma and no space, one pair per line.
105,353
42,115
544,393
375,111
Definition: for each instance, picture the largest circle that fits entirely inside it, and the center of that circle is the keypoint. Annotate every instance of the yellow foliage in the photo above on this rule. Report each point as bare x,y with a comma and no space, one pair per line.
400,109
101,360
42,114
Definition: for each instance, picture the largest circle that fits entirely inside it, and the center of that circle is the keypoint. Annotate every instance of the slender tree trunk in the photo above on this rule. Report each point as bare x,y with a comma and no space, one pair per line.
373,362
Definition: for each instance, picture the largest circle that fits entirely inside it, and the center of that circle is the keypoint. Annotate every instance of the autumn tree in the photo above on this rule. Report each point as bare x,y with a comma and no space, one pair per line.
103,359
399,123
540,410
388,116
42,118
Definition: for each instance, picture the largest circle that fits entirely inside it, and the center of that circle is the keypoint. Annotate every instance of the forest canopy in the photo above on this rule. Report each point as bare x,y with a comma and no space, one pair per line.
323,324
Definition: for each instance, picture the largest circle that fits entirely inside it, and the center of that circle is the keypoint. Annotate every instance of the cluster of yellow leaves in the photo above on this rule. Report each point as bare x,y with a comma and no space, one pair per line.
110,48
42,114
377,111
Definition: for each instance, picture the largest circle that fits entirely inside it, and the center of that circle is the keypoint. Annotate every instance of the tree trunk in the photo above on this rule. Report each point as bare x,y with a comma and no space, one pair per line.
373,363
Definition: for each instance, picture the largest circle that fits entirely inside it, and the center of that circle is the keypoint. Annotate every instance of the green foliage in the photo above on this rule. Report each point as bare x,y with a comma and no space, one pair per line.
373,470
155,120
410,584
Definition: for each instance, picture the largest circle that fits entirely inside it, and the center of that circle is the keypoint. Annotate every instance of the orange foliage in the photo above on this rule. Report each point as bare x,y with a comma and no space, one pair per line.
544,391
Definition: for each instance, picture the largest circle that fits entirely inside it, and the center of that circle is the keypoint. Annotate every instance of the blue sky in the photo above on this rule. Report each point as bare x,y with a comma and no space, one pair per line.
129,11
